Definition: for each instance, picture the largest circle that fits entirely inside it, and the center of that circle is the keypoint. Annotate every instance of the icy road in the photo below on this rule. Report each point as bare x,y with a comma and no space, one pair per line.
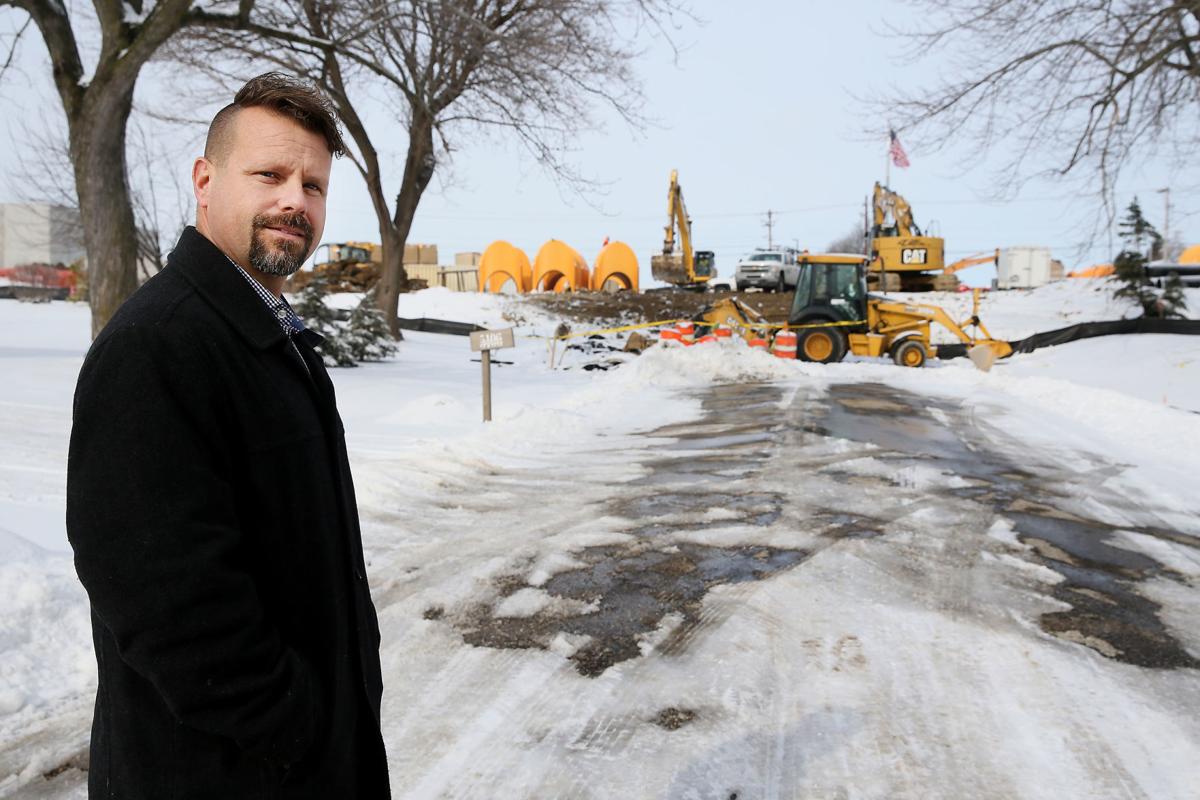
856,592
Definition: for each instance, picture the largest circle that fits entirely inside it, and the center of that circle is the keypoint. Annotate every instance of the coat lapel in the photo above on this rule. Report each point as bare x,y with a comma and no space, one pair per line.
205,267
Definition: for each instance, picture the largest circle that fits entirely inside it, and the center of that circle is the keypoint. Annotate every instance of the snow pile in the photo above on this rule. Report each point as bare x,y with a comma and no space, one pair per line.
45,632
1158,368
731,361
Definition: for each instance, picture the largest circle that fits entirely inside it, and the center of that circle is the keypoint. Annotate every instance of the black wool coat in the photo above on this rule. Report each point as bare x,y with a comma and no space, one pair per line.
212,514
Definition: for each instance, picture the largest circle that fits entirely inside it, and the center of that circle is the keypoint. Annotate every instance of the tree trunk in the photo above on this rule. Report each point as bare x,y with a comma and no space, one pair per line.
418,171
97,134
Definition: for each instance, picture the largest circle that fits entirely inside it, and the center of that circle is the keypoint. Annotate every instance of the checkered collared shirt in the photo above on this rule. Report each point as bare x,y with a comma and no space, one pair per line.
278,307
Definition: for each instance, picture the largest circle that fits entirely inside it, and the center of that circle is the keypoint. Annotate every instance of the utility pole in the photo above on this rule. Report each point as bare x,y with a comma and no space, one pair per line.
1166,193
770,224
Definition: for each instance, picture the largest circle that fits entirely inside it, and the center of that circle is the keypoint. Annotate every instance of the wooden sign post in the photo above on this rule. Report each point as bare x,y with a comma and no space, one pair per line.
484,342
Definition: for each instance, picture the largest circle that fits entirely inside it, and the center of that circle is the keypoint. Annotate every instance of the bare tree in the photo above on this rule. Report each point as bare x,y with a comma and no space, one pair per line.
533,68
854,240
97,104
162,203
1090,86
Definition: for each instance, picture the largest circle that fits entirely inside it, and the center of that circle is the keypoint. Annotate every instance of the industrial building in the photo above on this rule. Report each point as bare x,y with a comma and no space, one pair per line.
39,233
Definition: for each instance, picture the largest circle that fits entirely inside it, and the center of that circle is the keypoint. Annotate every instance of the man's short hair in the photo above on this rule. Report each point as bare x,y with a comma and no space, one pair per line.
285,95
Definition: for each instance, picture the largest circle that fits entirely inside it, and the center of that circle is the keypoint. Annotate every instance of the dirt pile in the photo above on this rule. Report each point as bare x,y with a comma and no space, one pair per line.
626,308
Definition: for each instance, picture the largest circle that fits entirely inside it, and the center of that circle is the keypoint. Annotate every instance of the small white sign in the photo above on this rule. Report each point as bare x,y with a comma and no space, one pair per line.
492,340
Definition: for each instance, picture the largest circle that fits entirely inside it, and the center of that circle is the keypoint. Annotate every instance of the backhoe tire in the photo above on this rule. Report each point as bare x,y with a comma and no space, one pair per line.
821,345
910,353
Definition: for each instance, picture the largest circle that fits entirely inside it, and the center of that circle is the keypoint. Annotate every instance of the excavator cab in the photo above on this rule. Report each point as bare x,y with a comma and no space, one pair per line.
831,288
704,264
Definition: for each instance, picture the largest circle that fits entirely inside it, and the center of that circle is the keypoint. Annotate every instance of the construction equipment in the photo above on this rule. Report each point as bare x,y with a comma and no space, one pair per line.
37,281
902,258
344,266
973,261
834,314
678,264
734,314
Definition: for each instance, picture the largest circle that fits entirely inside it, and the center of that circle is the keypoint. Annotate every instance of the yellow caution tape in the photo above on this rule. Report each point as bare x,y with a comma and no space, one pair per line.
621,328
662,322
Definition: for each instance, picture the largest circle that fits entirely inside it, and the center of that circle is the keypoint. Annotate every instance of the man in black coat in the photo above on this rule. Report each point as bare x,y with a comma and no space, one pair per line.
210,504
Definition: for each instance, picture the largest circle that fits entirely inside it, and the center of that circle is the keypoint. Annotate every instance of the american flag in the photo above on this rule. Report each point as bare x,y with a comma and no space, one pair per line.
899,157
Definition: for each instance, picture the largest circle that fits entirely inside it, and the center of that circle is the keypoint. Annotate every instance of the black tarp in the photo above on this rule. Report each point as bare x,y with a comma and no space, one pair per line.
428,325
1086,330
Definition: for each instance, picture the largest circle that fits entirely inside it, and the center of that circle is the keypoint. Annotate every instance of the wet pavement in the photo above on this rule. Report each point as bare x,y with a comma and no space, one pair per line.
625,592
631,588
1100,579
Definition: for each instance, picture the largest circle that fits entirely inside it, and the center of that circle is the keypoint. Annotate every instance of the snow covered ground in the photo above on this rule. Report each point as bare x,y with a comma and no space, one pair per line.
877,581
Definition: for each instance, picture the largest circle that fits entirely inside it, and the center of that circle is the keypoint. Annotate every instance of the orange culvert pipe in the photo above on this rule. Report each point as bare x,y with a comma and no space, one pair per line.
616,268
1098,271
504,269
558,267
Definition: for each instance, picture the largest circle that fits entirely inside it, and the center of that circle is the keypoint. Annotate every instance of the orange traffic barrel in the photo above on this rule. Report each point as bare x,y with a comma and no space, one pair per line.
687,331
668,335
708,337
723,332
758,341
785,344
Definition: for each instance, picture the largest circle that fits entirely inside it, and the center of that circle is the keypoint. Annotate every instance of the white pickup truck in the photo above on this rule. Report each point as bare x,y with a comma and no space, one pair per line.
775,269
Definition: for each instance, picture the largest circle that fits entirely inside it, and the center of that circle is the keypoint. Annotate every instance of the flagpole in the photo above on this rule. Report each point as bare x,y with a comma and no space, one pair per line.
887,161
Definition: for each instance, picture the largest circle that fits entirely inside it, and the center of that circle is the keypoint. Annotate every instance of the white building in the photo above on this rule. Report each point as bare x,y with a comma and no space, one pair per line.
33,233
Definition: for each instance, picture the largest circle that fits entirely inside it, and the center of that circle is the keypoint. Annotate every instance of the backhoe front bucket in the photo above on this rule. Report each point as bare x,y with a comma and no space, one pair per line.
985,353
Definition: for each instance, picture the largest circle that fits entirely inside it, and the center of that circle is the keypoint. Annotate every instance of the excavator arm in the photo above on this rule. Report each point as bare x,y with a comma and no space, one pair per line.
971,261
893,320
677,218
888,204
674,196
677,262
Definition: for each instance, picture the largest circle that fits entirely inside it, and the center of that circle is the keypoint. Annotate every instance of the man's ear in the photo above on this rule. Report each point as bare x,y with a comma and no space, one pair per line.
202,171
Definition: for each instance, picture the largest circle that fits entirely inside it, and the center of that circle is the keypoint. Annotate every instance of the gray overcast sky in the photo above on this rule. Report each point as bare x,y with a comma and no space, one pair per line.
757,112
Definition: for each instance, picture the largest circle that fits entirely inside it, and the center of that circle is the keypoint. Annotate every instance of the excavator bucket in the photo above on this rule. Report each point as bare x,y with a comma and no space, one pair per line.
669,269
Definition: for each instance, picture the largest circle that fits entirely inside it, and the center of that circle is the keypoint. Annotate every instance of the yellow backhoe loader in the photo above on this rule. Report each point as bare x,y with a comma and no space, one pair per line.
832,289
678,264
833,315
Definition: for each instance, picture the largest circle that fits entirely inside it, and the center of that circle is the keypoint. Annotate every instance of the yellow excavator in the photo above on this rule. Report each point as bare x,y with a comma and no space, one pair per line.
902,258
833,315
678,264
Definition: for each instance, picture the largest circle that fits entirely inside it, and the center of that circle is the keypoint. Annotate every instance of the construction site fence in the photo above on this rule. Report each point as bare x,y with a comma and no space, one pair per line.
1086,330
453,278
